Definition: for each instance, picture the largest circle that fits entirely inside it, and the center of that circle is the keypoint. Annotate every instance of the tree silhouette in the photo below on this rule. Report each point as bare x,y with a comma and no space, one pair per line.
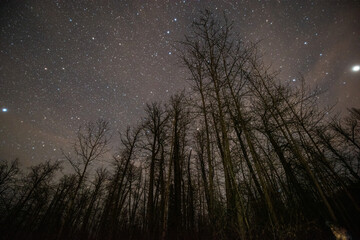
242,155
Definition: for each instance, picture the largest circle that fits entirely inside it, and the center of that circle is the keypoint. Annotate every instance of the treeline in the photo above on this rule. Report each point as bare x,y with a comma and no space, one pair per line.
241,156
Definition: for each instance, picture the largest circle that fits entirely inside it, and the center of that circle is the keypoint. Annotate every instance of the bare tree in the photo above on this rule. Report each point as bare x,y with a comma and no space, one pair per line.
91,144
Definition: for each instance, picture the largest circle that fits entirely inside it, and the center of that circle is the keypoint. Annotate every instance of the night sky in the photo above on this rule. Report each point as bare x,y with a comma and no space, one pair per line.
63,63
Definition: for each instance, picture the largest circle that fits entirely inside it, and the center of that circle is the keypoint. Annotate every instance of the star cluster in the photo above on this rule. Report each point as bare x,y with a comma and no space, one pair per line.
67,62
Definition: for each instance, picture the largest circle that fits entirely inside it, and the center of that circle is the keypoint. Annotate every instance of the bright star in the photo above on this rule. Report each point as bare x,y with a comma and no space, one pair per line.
4,110
356,68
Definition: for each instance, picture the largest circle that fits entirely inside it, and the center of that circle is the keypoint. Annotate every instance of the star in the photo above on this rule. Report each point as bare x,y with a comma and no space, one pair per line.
356,68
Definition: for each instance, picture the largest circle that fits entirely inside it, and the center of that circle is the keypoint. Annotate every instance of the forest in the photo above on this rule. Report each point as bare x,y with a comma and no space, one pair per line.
242,155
